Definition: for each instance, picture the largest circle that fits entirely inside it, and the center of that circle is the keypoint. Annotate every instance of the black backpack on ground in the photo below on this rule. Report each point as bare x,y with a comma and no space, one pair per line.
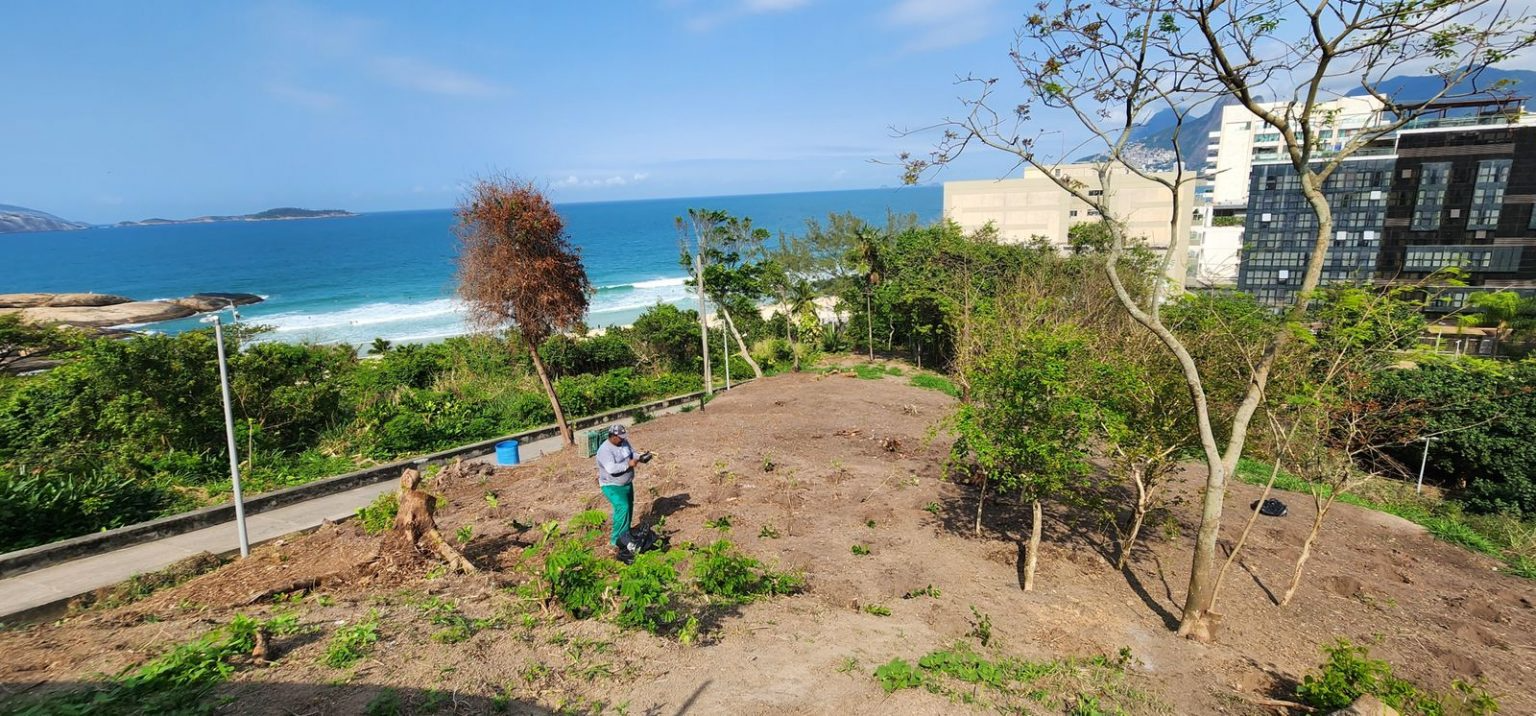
637,541
1271,508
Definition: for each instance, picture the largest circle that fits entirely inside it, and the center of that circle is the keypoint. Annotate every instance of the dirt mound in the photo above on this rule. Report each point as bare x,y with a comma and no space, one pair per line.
805,468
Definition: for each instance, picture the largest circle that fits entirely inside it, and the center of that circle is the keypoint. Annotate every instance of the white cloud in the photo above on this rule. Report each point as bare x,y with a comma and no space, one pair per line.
573,181
710,20
303,97
311,43
414,74
943,23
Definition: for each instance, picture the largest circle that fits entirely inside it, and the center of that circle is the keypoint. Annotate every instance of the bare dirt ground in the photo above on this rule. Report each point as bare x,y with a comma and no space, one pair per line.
845,454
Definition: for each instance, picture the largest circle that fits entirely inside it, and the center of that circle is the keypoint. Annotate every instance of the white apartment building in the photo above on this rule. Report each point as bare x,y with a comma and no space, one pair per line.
1035,206
1244,139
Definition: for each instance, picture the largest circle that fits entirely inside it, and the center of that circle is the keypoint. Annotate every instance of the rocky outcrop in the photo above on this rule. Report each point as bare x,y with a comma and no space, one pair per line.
59,300
204,302
97,310
114,315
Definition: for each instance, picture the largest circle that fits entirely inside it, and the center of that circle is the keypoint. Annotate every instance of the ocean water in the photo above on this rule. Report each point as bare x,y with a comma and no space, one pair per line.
391,274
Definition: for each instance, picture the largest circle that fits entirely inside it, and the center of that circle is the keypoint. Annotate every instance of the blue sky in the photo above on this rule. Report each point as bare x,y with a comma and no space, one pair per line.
121,110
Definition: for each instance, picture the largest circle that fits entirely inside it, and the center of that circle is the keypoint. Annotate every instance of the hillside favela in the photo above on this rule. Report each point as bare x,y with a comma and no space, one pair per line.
760,357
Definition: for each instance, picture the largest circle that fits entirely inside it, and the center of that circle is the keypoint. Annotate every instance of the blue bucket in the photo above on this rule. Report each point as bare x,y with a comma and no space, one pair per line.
506,452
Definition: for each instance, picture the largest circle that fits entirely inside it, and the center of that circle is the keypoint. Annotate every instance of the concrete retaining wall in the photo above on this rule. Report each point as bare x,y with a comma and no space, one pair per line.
26,560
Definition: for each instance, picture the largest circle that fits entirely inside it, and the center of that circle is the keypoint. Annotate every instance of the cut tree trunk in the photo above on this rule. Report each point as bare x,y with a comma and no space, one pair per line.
416,527
1138,477
549,389
757,370
980,498
1032,553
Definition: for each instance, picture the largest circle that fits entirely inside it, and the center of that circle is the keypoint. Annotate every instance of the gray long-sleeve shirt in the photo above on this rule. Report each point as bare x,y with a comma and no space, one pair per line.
613,463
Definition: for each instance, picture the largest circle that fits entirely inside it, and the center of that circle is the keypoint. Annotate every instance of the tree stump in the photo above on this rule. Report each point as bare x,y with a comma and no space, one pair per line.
416,527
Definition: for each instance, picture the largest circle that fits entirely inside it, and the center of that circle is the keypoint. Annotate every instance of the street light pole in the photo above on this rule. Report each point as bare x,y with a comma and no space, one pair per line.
1418,489
229,433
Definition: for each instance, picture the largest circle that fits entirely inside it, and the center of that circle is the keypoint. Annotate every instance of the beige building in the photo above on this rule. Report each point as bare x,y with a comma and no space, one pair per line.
1034,205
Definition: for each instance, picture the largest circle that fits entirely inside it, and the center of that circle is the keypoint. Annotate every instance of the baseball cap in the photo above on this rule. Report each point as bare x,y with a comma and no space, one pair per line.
617,429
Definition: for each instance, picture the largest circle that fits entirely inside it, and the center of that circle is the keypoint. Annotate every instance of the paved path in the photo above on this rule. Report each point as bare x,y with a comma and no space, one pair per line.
44,592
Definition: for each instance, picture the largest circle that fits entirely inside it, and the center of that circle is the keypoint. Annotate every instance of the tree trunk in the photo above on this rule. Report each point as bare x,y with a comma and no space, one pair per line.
1221,577
869,322
549,389
1032,553
980,498
1196,622
1306,548
757,371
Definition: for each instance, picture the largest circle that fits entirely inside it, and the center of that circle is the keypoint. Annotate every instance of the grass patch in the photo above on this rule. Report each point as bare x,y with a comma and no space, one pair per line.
869,372
934,382
1503,537
1094,685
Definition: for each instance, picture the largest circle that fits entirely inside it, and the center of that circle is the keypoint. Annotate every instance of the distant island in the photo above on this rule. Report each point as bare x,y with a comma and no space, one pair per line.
279,214
19,219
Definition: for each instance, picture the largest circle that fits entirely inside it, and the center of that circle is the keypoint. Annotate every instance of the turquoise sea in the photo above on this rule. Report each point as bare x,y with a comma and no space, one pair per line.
390,274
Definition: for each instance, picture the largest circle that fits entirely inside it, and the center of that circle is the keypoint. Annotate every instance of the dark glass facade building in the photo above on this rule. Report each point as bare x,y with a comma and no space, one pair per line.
1281,227
1462,196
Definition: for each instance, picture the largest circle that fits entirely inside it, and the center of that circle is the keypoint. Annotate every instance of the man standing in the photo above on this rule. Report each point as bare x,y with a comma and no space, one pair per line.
616,462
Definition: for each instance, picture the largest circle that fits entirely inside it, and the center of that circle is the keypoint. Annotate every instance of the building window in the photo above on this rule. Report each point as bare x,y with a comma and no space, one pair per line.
1488,193
1072,212
1095,192
1431,202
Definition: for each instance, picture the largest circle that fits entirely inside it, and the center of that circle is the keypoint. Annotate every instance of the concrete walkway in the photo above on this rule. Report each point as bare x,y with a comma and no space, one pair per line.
44,593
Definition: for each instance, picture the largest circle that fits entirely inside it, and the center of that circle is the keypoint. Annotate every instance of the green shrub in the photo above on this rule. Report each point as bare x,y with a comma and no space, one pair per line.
1349,673
35,509
720,571
378,515
578,579
592,394
648,588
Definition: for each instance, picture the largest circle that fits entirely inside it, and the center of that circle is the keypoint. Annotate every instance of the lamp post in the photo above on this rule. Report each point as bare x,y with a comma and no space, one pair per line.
1419,488
229,431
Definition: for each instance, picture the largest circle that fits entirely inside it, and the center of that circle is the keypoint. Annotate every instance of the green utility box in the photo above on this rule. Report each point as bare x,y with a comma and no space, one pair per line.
595,440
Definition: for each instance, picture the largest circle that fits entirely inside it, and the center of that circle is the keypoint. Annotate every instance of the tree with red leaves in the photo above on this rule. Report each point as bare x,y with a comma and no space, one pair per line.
517,268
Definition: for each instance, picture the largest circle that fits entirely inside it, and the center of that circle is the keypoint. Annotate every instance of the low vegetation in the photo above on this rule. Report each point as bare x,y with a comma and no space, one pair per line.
1095,685
176,682
1350,672
666,592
